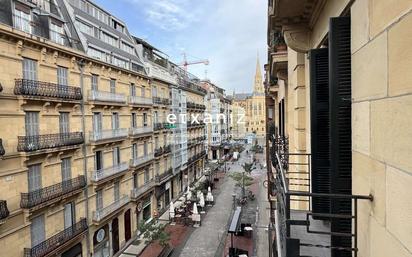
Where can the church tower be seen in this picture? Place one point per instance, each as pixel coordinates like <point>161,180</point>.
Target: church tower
<point>258,86</point>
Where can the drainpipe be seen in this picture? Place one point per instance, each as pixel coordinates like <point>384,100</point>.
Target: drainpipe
<point>81,64</point>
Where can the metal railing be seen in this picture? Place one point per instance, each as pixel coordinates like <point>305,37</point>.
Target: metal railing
<point>103,96</point>
<point>137,192</point>
<point>160,178</point>
<point>108,134</point>
<point>138,100</point>
<point>99,175</point>
<point>4,211</point>
<point>162,101</point>
<point>34,88</point>
<point>292,190</point>
<point>51,193</point>
<point>192,105</point>
<point>99,215</point>
<point>47,141</point>
<point>52,245</point>
<point>140,131</point>
<point>141,160</point>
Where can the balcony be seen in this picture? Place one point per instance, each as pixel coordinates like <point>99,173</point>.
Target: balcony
<point>100,215</point>
<point>4,211</point>
<point>141,190</point>
<point>49,141</point>
<point>45,90</point>
<point>300,230</point>
<point>141,131</point>
<point>194,124</point>
<point>106,97</point>
<point>55,244</point>
<point>159,126</point>
<point>161,101</point>
<point>195,106</point>
<point>49,195</point>
<point>162,150</point>
<point>99,176</point>
<point>108,135</point>
<point>164,176</point>
<point>140,101</point>
<point>141,160</point>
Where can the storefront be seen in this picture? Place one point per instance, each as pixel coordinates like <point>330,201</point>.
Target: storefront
<point>163,195</point>
<point>101,245</point>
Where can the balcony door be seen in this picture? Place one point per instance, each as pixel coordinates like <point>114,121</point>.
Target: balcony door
<point>29,69</point>
<point>66,169</point>
<point>94,82</point>
<point>115,121</point>
<point>69,215</point>
<point>116,189</point>
<point>99,200</point>
<point>127,226</point>
<point>134,151</point>
<point>97,122</point>
<point>98,160</point>
<point>144,119</point>
<point>64,123</point>
<point>145,148</point>
<point>134,120</point>
<point>37,230</point>
<point>34,178</point>
<point>116,156</point>
<point>62,78</point>
<point>132,89</point>
<point>143,92</point>
<point>32,123</point>
<point>113,86</point>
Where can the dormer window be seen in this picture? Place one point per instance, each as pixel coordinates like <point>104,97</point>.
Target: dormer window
<point>22,19</point>
<point>56,33</point>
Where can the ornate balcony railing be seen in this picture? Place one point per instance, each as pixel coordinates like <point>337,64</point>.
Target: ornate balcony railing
<point>138,100</point>
<point>40,142</point>
<point>101,214</point>
<point>162,101</point>
<point>103,96</point>
<point>160,178</point>
<point>109,134</point>
<point>33,88</point>
<point>102,174</point>
<point>192,105</point>
<point>141,160</point>
<point>52,246</point>
<point>137,192</point>
<point>140,131</point>
<point>297,225</point>
<point>53,193</point>
<point>158,126</point>
<point>4,211</point>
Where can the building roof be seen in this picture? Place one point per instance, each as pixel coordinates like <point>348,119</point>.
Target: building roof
<point>242,96</point>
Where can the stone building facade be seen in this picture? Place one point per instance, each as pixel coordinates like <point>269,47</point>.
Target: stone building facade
<point>338,92</point>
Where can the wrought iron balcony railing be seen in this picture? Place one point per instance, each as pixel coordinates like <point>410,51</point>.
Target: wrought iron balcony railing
<point>159,126</point>
<point>141,160</point>
<point>162,101</point>
<point>54,244</point>
<point>103,96</point>
<point>192,105</point>
<point>34,88</point>
<point>48,195</point>
<point>107,135</point>
<point>137,192</point>
<point>41,142</point>
<point>162,177</point>
<point>138,100</point>
<point>140,131</point>
<point>298,228</point>
<point>100,175</point>
<point>101,214</point>
<point>162,150</point>
<point>4,211</point>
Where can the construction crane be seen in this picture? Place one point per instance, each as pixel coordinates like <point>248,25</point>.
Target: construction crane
<point>185,63</point>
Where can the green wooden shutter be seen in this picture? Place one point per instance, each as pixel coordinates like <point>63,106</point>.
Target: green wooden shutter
<point>340,129</point>
<point>320,124</point>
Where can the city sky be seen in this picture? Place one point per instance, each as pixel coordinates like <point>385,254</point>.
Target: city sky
<point>229,33</point>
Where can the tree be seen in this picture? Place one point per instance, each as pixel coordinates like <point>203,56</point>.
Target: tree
<point>243,179</point>
<point>152,231</point>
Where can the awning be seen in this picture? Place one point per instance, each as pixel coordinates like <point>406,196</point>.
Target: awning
<point>235,223</point>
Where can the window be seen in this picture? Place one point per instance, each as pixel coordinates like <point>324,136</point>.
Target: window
<point>143,91</point>
<point>56,33</point>
<point>116,189</point>
<point>113,86</point>
<point>146,176</point>
<point>97,122</point>
<point>134,151</point>
<point>116,156</point>
<point>144,119</point>
<point>98,160</point>
<point>62,79</point>
<point>132,89</point>
<point>154,91</point>
<point>34,177</point>
<point>127,48</point>
<point>69,215</point>
<point>64,123</point>
<point>32,123</point>
<point>120,62</point>
<point>29,69</point>
<point>155,117</point>
<point>109,39</point>
<point>135,181</point>
<point>145,148</point>
<point>156,142</point>
<point>99,200</point>
<point>115,121</point>
<point>94,82</point>
<point>22,20</point>
<point>66,169</point>
<point>96,54</point>
<point>134,120</point>
<point>37,230</point>
<point>84,28</point>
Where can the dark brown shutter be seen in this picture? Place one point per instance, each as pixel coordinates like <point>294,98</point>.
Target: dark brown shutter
<point>340,128</point>
<point>319,121</point>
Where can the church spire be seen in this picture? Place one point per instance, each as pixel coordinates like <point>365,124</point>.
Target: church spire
<point>258,86</point>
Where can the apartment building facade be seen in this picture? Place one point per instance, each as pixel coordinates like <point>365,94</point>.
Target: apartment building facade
<point>337,93</point>
<point>85,161</point>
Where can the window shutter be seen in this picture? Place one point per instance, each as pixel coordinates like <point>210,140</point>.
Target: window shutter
<point>340,128</point>
<point>320,124</point>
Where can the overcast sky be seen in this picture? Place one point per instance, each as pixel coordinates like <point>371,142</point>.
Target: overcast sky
<point>229,33</point>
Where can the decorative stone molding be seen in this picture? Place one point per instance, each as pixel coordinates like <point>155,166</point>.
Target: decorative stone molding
<point>297,37</point>
<point>19,47</point>
<point>43,54</point>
